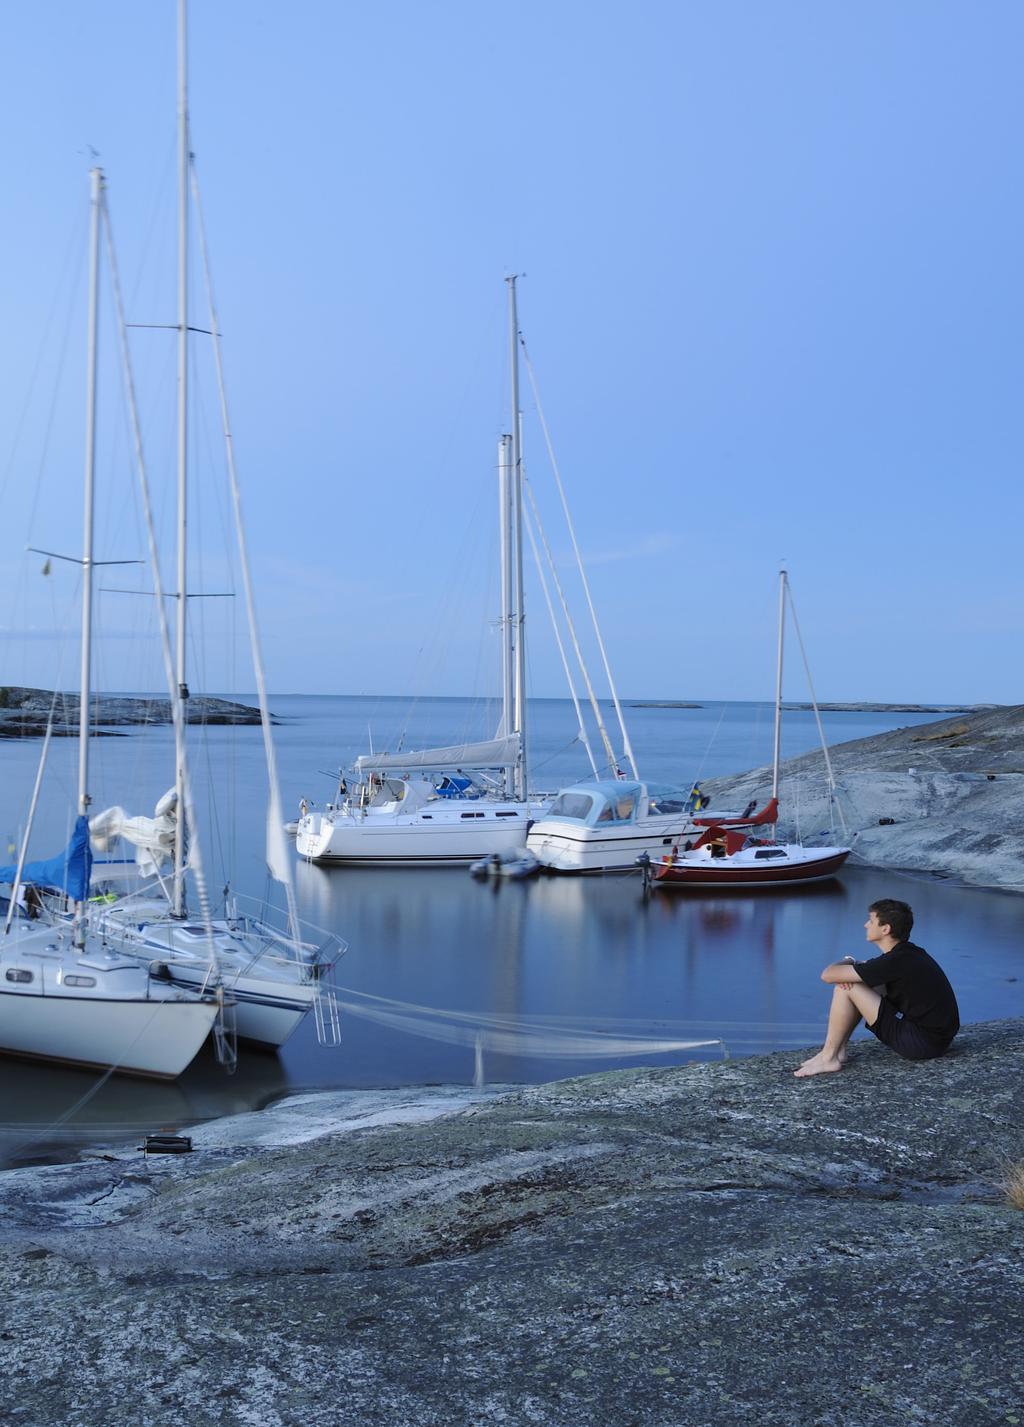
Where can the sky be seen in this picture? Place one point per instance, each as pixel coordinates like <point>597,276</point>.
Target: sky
<point>771,291</point>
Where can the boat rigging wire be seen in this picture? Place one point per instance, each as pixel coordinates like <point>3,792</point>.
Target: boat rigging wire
<point>627,746</point>
<point>602,731</point>
<point>833,800</point>
<point>76,249</point>
<point>558,640</point>
<point>277,852</point>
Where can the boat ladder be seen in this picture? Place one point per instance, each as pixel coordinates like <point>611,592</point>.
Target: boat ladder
<point>325,1013</point>
<point>225,1036</point>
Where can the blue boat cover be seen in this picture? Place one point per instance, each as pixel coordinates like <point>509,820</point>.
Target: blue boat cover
<point>68,872</point>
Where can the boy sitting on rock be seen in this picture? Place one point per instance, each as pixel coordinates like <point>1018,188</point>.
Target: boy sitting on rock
<point>903,995</point>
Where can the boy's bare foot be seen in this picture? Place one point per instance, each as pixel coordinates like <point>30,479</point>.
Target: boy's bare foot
<point>820,1064</point>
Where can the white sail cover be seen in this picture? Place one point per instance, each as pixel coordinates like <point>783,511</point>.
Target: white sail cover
<point>152,838</point>
<point>493,753</point>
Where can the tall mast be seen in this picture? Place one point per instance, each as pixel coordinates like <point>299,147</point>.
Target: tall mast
<point>179,841</point>
<point>517,545</point>
<point>84,799</point>
<point>505,525</point>
<point>778,686</point>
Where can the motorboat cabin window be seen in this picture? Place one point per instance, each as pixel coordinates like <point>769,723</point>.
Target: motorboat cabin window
<point>19,974</point>
<point>625,807</point>
<point>79,980</point>
<point>572,805</point>
<point>767,852</point>
<point>621,808</point>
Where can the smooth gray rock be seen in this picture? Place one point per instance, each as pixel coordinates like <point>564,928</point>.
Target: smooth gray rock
<point>709,1244</point>
<point>951,792</point>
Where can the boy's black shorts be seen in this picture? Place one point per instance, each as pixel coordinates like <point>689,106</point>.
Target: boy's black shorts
<point>904,1037</point>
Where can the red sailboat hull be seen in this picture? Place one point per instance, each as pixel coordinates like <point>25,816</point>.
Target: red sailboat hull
<point>725,872</point>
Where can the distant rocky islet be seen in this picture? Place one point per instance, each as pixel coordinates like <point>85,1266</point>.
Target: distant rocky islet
<point>25,713</point>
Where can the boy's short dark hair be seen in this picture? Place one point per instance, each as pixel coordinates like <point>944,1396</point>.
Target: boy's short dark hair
<point>895,915</point>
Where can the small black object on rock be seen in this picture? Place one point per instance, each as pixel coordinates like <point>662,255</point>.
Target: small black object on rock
<point>166,1144</point>
<point>886,822</point>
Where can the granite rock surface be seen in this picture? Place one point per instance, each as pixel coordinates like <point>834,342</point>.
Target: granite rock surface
<point>715,1243</point>
<point>944,798</point>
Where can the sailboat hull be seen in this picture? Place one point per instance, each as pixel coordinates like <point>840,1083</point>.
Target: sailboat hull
<point>157,1038</point>
<point>788,865</point>
<point>443,835</point>
<point>272,993</point>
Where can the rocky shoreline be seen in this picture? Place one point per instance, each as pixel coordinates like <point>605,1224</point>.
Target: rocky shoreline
<point>944,799</point>
<point>24,713</point>
<point>714,1243</point>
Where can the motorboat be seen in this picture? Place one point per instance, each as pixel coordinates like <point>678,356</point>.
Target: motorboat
<point>606,825</point>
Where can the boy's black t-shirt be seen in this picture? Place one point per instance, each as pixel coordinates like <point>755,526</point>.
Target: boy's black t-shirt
<point>916,985</point>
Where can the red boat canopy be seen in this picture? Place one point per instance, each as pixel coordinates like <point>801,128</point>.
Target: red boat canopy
<point>768,814</point>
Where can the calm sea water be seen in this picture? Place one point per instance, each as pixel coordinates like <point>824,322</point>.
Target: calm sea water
<point>587,953</point>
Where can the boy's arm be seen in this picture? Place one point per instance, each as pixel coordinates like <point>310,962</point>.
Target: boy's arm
<point>841,973</point>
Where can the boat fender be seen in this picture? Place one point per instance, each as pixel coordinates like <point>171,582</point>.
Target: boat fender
<point>160,971</point>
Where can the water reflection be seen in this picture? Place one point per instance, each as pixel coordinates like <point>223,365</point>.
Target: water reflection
<point>588,952</point>
<point>595,950</point>
<point>40,1121</point>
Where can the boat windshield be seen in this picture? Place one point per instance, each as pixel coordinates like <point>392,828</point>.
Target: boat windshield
<point>576,806</point>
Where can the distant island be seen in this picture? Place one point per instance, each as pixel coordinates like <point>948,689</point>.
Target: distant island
<point>841,708</point>
<point>24,713</point>
<point>897,708</point>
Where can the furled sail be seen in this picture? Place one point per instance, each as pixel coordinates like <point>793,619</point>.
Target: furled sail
<point>493,753</point>
<point>152,838</point>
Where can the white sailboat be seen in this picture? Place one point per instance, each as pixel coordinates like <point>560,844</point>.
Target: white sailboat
<point>448,806</point>
<point>275,977</point>
<point>69,992</point>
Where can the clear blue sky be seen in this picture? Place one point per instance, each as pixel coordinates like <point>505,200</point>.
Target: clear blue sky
<point>773,294</point>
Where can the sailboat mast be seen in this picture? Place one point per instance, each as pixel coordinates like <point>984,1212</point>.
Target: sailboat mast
<point>85,679</point>
<point>778,686</point>
<point>179,841</point>
<point>517,545</point>
<point>504,524</point>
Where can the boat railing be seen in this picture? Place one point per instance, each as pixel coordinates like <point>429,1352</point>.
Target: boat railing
<point>317,950</point>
